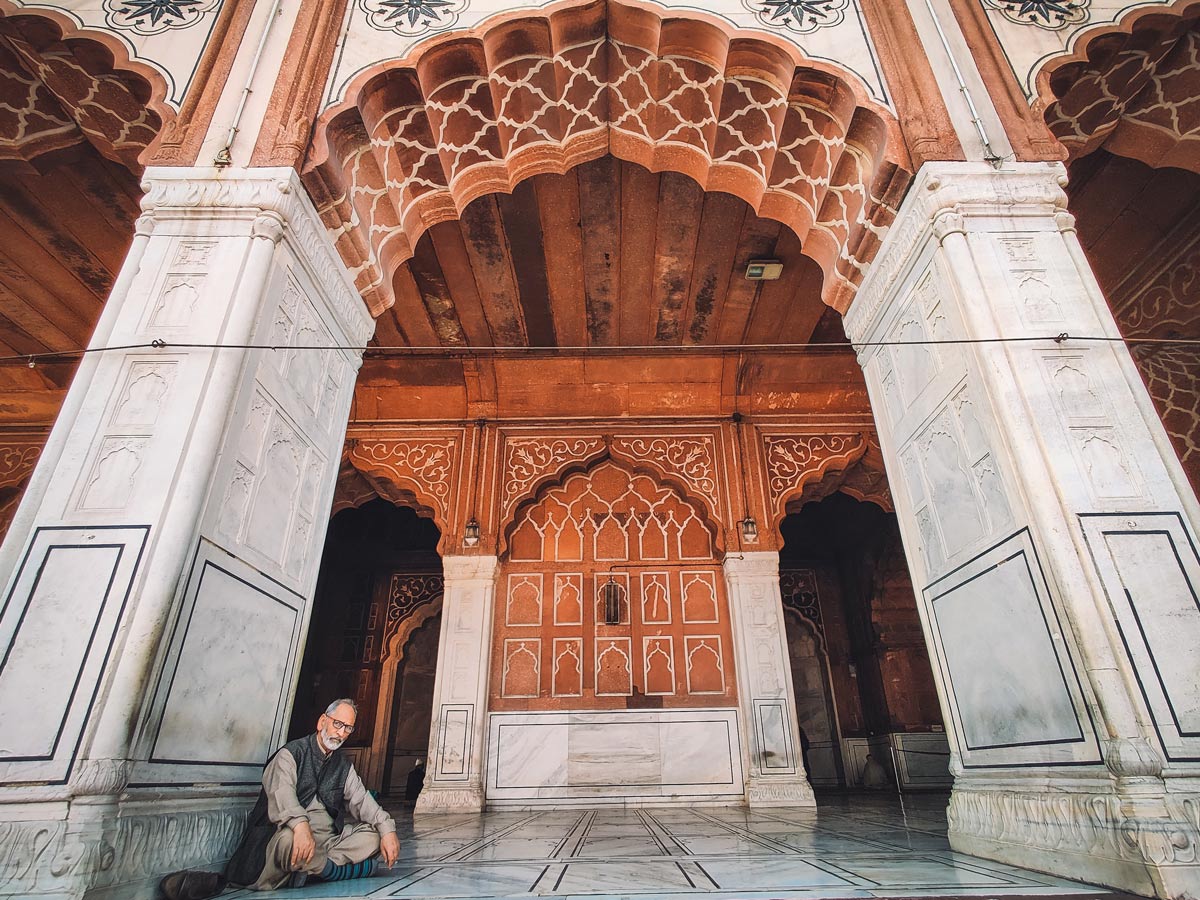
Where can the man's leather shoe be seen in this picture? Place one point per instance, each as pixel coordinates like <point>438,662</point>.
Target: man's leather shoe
<point>191,885</point>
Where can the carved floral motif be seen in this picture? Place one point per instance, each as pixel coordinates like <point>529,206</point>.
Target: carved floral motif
<point>528,461</point>
<point>423,466</point>
<point>406,592</point>
<point>794,461</point>
<point>1053,14</point>
<point>692,460</point>
<point>413,18</point>
<point>800,16</point>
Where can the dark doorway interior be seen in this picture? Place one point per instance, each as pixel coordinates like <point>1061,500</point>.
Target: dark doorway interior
<point>376,609</point>
<point>861,672</point>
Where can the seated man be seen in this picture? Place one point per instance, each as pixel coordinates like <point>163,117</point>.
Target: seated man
<point>314,818</point>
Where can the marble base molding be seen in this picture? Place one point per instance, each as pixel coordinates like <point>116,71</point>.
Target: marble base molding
<point>444,800</point>
<point>1147,847</point>
<point>122,848</point>
<point>765,792</point>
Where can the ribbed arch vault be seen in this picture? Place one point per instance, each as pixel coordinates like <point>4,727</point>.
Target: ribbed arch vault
<point>416,141</point>
<point>61,86</point>
<point>1132,88</point>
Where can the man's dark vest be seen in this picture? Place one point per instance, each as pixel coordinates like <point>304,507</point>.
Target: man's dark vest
<point>318,776</point>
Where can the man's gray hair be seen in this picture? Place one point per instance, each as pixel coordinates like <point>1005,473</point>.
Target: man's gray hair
<point>341,701</point>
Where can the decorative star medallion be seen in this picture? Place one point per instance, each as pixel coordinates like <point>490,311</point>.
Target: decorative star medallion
<point>1052,14</point>
<point>801,16</point>
<point>413,17</point>
<point>156,16</point>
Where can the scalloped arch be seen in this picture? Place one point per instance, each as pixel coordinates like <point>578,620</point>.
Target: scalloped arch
<point>121,125</point>
<point>468,115</point>
<point>575,468</point>
<point>1132,86</point>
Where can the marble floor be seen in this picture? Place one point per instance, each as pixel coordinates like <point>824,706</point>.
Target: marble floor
<point>849,847</point>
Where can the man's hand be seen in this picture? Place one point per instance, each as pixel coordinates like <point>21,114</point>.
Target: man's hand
<point>389,846</point>
<point>303,845</point>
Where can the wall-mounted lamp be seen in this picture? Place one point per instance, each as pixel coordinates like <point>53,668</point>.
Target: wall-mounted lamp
<point>749,530</point>
<point>764,270</point>
<point>471,532</point>
<point>612,602</point>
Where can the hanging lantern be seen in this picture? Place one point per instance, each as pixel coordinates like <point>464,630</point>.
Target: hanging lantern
<point>749,530</point>
<point>612,602</point>
<point>471,533</point>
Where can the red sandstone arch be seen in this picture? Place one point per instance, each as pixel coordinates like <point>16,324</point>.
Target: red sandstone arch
<point>65,85</point>
<point>417,140</point>
<point>548,483</point>
<point>1132,88</point>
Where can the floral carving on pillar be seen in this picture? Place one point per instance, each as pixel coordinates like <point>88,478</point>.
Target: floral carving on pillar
<point>16,465</point>
<point>420,468</point>
<point>796,461</point>
<point>691,461</point>
<point>530,462</point>
<point>406,593</point>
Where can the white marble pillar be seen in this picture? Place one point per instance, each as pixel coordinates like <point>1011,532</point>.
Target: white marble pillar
<point>775,773</point>
<point>454,780</point>
<point>1050,531</point>
<point>158,581</point>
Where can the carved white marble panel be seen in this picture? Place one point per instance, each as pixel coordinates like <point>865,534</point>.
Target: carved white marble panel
<point>1151,573</point>
<point>232,650</point>
<point>277,485</point>
<point>143,395</point>
<point>613,757</point>
<point>454,742</point>
<point>1013,689</point>
<point>177,302</point>
<point>1109,468</point>
<point>57,625</point>
<point>114,474</point>
<point>771,721</point>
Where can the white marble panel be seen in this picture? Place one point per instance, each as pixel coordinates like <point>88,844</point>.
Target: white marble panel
<point>56,628</point>
<point>1151,572</point>
<point>229,680</point>
<point>618,756</point>
<point>1014,692</point>
<point>922,760</point>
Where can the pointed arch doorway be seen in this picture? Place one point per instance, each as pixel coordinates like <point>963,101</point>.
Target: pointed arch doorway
<point>374,637</point>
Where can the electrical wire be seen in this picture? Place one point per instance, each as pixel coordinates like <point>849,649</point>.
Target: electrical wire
<point>32,359</point>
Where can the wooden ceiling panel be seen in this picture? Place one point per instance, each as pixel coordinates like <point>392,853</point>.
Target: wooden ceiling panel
<point>522,223</point>
<point>607,255</point>
<point>680,208</point>
<point>716,251</point>
<point>639,229</point>
<point>600,219</point>
<point>558,210</point>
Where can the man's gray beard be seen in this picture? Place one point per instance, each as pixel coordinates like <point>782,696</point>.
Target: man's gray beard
<point>333,743</point>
